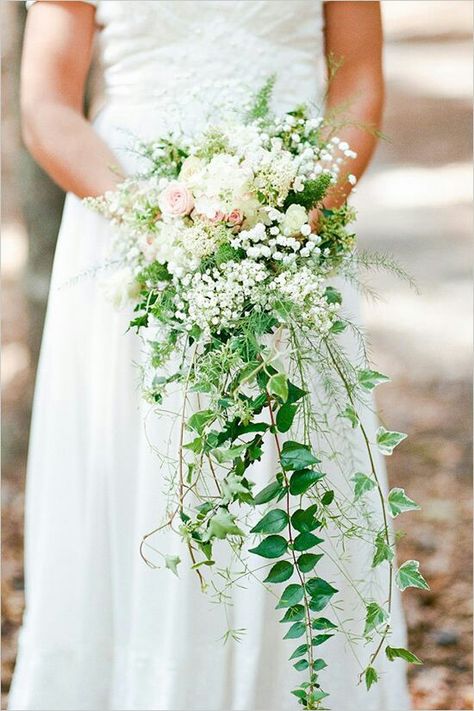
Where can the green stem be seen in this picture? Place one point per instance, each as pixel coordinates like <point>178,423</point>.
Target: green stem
<point>365,436</point>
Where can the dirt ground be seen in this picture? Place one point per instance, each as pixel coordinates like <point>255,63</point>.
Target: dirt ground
<point>415,204</point>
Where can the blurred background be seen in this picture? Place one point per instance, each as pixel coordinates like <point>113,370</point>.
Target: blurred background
<point>415,202</point>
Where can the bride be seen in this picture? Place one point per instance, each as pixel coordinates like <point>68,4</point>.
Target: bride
<point>101,629</point>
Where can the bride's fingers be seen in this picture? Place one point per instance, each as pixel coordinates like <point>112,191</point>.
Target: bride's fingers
<point>314,216</point>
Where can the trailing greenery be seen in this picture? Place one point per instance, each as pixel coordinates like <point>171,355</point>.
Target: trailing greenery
<point>230,286</point>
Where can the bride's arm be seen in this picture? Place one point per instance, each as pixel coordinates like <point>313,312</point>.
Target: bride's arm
<point>56,58</point>
<point>354,33</point>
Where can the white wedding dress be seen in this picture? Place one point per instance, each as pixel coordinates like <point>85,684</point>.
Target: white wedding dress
<point>101,629</point>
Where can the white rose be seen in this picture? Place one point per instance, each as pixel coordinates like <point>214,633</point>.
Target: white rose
<point>190,167</point>
<point>294,219</point>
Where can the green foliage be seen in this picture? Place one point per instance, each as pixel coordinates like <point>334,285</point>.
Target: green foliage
<point>271,547</point>
<point>362,484</point>
<point>387,441</point>
<point>278,386</point>
<point>307,561</point>
<point>374,617</point>
<point>296,456</point>
<point>371,677</point>
<point>294,613</point>
<point>296,630</point>
<point>260,108</point>
<point>399,502</point>
<point>409,576</point>
<point>280,572</point>
<point>273,522</point>
<point>369,379</point>
<point>304,541</point>
<point>314,191</point>
<point>285,416</point>
<point>291,596</point>
<point>383,551</point>
<point>303,480</point>
<point>401,653</point>
<point>272,491</point>
<point>351,415</point>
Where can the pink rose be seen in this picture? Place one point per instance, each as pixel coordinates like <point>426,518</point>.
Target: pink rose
<point>236,217</point>
<point>176,200</point>
<point>218,216</point>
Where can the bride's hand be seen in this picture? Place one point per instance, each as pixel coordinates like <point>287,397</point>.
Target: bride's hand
<point>314,216</point>
<point>56,57</point>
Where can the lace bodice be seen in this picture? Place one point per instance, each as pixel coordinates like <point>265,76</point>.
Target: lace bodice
<point>149,48</point>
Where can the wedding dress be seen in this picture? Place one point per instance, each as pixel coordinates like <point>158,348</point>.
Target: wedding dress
<point>101,629</point>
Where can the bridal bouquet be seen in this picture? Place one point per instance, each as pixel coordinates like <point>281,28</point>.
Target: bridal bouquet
<point>227,253</point>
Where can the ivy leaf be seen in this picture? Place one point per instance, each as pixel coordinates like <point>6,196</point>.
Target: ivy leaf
<point>322,623</point>
<point>303,541</point>
<point>408,576</point>
<point>233,485</point>
<point>195,446</point>
<point>270,547</point>
<point>307,561</point>
<point>371,677</point>
<point>362,484</point>
<point>268,493</point>
<point>351,415</point>
<point>294,393</point>
<point>296,630</point>
<point>281,571</point>
<point>222,524</point>
<point>327,498</point>
<point>278,385</point>
<point>172,562</point>
<point>382,550</point>
<point>294,614</point>
<point>387,441</point>
<point>292,594</point>
<point>285,416</point>
<point>228,454</point>
<point>299,651</point>
<point>399,502</point>
<point>296,456</point>
<point>321,592</point>
<point>369,379</point>
<point>304,520</point>
<point>303,480</point>
<point>301,665</point>
<point>200,420</point>
<point>400,653</point>
<point>375,616</point>
<point>273,522</point>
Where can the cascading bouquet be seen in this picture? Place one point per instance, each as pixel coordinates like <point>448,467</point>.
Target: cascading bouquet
<point>225,249</point>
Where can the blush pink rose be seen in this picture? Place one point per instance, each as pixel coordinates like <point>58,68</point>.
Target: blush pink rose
<point>176,200</point>
<point>218,216</point>
<point>236,217</point>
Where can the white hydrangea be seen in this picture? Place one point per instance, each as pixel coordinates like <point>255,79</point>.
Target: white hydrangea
<point>275,172</point>
<point>223,185</point>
